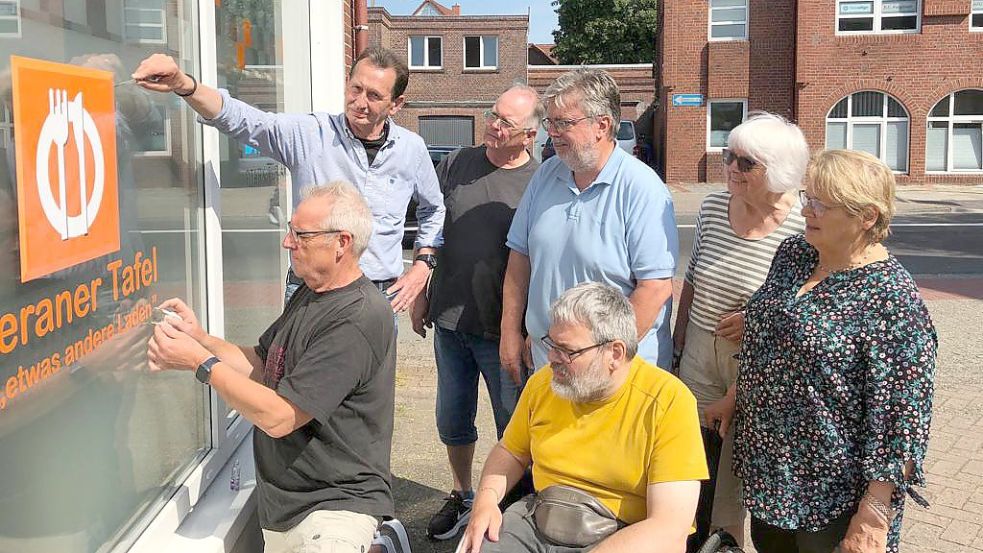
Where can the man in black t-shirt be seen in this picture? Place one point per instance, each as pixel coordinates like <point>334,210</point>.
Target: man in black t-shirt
<point>319,386</point>
<point>482,187</point>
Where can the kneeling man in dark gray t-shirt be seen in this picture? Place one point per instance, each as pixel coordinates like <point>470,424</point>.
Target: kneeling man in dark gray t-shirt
<point>320,385</point>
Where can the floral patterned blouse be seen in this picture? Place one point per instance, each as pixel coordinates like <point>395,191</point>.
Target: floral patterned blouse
<point>834,390</point>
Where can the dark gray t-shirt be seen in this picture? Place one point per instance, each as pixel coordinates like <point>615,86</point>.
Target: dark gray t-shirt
<point>480,199</point>
<point>333,355</point>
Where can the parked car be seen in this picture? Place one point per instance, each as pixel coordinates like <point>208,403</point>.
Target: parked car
<point>437,153</point>
<point>626,137</point>
<point>548,150</point>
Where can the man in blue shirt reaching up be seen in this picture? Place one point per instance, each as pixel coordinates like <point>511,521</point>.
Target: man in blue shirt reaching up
<point>593,213</point>
<point>387,163</point>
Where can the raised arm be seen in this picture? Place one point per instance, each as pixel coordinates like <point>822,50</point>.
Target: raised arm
<point>161,73</point>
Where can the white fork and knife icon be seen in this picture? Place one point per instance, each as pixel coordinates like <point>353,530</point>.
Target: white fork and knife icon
<point>61,112</point>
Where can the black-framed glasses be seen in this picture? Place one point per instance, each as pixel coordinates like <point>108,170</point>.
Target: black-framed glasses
<point>565,355</point>
<point>744,164</point>
<point>494,118</point>
<point>817,207</point>
<point>297,235</point>
<point>563,125</point>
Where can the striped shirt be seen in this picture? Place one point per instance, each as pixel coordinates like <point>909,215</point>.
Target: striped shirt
<point>726,269</point>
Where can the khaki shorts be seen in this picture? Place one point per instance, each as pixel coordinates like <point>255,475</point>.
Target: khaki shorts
<point>708,368</point>
<point>324,532</point>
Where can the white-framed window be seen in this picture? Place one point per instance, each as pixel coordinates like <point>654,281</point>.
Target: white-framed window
<point>872,122</point>
<point>145,21</point>
<point>976,16</point>
<point>154,138</point>
<point>425,52</point>
<point>722,117</point>
<point>954,135</point>
<point>878,16</point>
<point>10,18</point>
<point>728,19</point>
<point>481,52</point>
<point>6,127</point>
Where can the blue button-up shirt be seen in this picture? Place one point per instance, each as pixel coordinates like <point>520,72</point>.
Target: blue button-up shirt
<point>619,230</point>
<point>319,148</point>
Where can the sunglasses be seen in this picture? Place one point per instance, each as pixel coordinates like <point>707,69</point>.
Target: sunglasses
<point>744,164</point>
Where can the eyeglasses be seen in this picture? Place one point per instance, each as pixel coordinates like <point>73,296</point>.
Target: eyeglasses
<point>496,119</point>
<point>297,235</point>
<point>817,207</point>
<point>563,125</point>
<point>567,356</point>
<point>744,164</point>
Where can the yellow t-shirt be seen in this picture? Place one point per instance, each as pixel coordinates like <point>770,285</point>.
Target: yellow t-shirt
<point>647,433</point>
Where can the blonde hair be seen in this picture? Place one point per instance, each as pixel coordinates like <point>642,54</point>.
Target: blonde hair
<point>349,211</point>
<point>855,180</point>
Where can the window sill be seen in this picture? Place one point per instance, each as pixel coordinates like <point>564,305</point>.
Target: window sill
<point>481,70</point>
<point>218,519</point>
<point>724,39</point>
<point>426,69</point>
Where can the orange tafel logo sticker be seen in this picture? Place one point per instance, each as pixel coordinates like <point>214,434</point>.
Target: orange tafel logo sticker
<point>64,131</point>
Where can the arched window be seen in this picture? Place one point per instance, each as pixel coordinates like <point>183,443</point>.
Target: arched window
<point>954,138</point>
<point>871,122</point>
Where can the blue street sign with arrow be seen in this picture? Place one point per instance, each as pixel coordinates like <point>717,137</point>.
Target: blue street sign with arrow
<point>687,100</point>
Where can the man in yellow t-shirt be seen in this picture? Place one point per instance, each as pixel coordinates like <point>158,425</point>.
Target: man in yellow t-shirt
<point>600,419</point>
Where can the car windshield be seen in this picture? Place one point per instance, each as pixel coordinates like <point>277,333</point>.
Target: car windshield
<point>626,131</point>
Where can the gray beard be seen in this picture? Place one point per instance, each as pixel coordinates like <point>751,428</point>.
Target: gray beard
<point>589,386</point>
<point>580,160</point>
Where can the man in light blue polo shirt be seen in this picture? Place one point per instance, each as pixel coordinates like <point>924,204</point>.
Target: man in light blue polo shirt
<point>593,213</point>
<point>387,163</point>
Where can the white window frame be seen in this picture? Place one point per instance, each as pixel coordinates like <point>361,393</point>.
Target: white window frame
<point>877,17</point>
<point>12,18</point>
<point>950,121</point>
<point>742,101</point>
<point>426,52</point>
<point>882,120</point>
<point>166,152</point>
<point>975,8</point>
<point>143,40</point>
<point>481,52</point>
<point>711,23</point>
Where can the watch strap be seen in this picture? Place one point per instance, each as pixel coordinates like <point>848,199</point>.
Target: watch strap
<point>204,371</point>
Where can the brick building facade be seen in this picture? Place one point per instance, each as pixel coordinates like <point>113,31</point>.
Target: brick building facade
<point>900,78</point>
<point>459,64</point>
<point>635,83</point>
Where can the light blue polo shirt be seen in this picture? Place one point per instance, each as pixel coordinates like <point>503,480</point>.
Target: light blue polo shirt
<point>620,229</point>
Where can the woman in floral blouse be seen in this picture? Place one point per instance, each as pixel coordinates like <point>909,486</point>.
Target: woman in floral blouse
<point>834,395</point>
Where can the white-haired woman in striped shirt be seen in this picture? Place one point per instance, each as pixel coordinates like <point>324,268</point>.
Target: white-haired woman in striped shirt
<point>737,232</point>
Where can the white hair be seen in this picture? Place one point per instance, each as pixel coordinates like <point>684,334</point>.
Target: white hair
<point>349,212</point>
<point>778,144</point>
<point>603,309</point>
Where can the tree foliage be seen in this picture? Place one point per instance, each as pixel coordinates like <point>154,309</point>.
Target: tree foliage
<point>605,31</point>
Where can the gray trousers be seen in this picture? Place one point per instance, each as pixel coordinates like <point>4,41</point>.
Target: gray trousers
<point>519,535</point>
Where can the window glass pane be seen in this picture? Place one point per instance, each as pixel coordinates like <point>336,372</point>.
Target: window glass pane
<point>967,146</point>
<point>727,31</point>
<point>727,3</point>
<point>978,5</point>
<point>868,104</point>
<point>941,109</point>
<point>857,24</point>
<point>626,131</point>
<point>433,52</point>
<point>978,20</point>
<point>9,26</point>
<point>936,146</point>
<point>730,14</point>
<point>157,4</point>
<point>91,443</point>
<point>491,50</point>
<point>894,108</point>
<point>139,32</point>
<point>856,8</point>
<point>253,193</point>
<point>867,138</point>
<point>899,6</point>
<point>839,110</point>
<point>968,102</point>
<point>8,8</point>
<point>899,23</point>
<point>472,51</point>
<point>155,17</point>
<point>896,146</point>
<point>835,136</point>
<point>724,116</point>
<point>416,51</point>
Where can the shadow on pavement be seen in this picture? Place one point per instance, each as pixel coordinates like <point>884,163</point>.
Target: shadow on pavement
<point>415,504</point>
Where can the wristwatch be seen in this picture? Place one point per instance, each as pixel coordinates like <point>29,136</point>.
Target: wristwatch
<point>204,371</point>
<point>428,258</point>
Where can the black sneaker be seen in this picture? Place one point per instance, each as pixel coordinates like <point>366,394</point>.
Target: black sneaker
<point>449,520</point>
